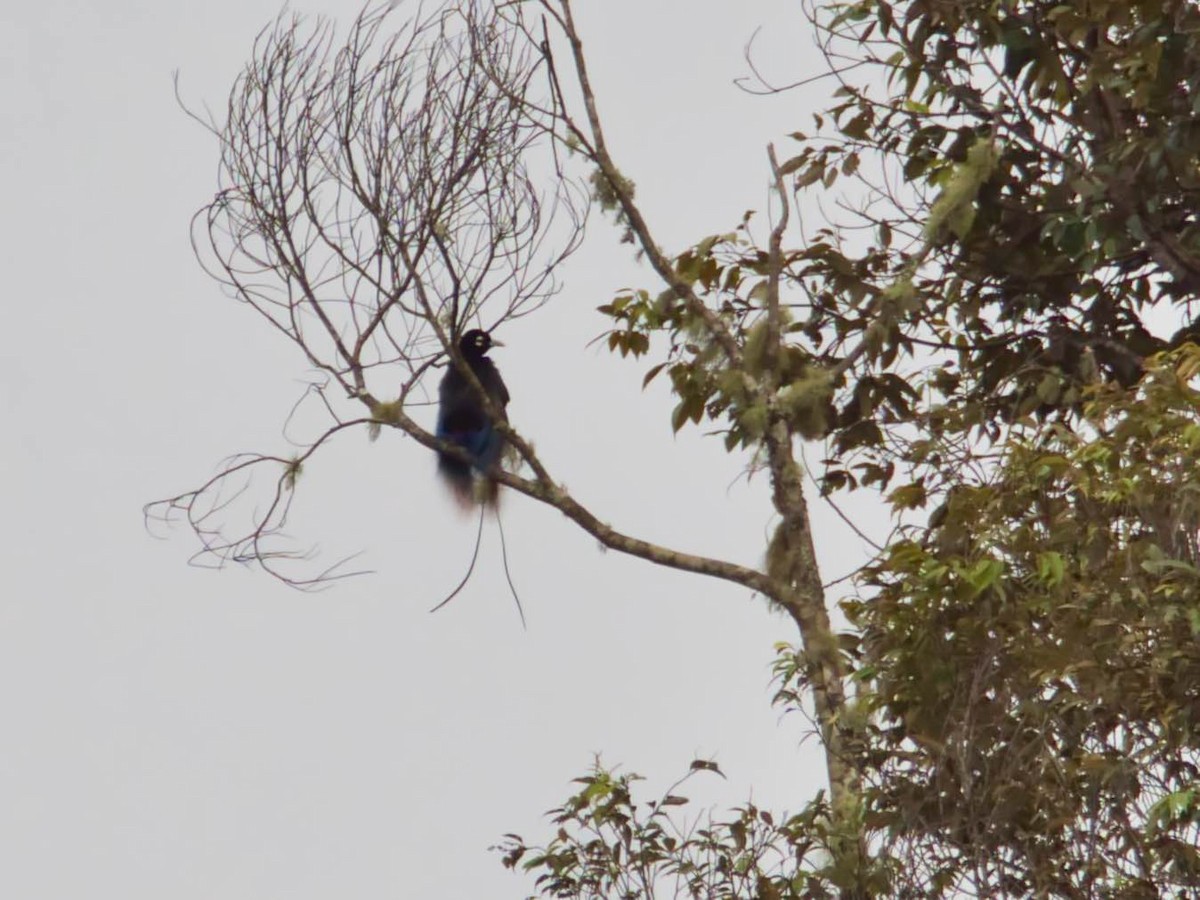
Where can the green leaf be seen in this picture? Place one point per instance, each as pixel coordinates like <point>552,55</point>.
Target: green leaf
<point>1050,567</point>
<point>983,574</point>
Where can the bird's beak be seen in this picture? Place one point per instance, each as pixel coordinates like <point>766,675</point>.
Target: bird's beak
<point>496,343</point>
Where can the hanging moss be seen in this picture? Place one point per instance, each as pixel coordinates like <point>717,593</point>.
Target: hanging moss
<point>753,421</point>
<point>901,295</point>
<point>291,473</point>
<point>955,207</point>
<point>733,386</point>
<point>754,350</point>
<point>807,403</point>
<point>383,414</point>
<point>387,413</point>
<point>608,195</point>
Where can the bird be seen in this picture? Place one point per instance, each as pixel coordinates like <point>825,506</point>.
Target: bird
<point>463,420</point>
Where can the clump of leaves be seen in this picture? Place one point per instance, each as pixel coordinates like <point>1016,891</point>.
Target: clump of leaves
<point>609,844</point>
<point>1030,661</point>
<point>730,274</point>
<point>1020,187</point>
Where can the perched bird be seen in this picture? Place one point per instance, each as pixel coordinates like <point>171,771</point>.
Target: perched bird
<point>463,420</point>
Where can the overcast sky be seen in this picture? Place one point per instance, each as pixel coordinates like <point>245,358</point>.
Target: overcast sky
<point>175,732</point>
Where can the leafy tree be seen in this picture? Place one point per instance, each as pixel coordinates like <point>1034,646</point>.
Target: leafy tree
<point>995,324</point>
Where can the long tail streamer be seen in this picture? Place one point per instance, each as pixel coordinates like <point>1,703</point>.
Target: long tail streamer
<point>507,574</point>
<point>471,568</point>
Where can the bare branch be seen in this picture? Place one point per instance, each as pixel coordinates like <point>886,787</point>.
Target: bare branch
<point>376,197</point>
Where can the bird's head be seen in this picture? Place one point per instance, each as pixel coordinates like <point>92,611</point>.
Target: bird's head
<point>475,343</point>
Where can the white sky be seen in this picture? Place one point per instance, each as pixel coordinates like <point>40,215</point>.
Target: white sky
<point>173,732</point>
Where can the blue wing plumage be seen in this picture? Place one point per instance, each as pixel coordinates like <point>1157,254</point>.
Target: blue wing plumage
<point>463,420</point>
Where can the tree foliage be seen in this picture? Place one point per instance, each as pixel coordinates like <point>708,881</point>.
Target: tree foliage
<point>1024,188</point>
<point>1033,659</point>
<point>1016,244</point>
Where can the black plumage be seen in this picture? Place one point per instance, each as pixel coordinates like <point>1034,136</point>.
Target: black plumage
<point>463,420</point>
